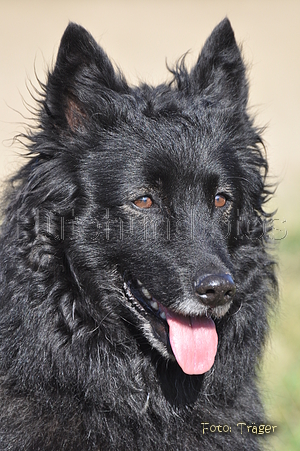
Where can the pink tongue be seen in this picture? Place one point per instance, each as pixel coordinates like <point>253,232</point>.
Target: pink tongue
<point>194,342</point>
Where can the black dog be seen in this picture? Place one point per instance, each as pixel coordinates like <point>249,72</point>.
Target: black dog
<point>135,275</point>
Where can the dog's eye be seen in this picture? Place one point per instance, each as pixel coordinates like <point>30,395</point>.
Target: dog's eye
<point>143,202</point>
<point>220,201</point>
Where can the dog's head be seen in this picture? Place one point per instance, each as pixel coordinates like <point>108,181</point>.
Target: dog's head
<point>160,190</point>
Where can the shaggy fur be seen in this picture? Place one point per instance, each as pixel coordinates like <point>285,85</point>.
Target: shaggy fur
<point>128,186</point>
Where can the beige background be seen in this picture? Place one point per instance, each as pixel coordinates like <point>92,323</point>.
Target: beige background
<point>139,35</point>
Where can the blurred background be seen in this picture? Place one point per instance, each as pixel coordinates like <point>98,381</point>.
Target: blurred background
<point>140,36</point>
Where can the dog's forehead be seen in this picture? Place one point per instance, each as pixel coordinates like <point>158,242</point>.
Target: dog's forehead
<point>199,130</point>
<point>179,171</point>
<point>182,150</point>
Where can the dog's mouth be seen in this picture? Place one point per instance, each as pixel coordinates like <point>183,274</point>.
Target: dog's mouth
<point>192,341</point>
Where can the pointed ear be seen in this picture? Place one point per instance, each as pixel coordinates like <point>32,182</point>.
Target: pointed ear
<point>220,72</point>
<point>82,75</point>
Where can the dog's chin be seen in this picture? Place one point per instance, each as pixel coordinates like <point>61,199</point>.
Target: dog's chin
<point>151,315</point>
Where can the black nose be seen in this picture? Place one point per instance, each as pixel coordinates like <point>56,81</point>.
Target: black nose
<point>215,289</point>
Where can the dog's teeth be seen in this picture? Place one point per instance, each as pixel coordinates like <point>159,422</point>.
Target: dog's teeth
<point>139,282</point>
<point>162,315</point>
<point>154,305</point>
<point>146,293</point>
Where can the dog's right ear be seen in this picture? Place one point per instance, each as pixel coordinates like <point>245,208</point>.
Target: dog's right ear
<point>82,76</point>
<point>219,74</point>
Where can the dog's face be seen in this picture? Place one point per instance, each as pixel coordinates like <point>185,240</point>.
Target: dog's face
<point>161,179</point>
<point>164,209</point>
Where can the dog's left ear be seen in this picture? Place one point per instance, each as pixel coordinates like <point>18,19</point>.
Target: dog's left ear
<point>81,82</point>
<point>219,73</point>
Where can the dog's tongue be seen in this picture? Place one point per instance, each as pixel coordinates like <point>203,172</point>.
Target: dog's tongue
<point>194,342</point>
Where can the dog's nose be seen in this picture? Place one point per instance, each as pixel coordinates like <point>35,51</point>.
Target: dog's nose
<point>215,289</point>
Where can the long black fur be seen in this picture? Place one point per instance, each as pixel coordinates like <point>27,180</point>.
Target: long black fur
<point>81,367</point>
